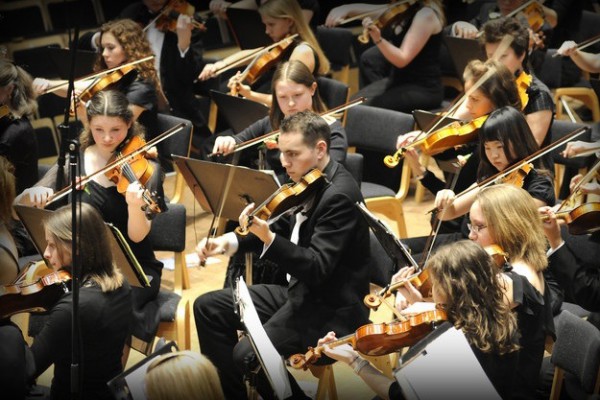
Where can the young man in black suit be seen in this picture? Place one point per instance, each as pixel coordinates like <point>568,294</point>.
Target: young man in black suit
<point>324,249</point>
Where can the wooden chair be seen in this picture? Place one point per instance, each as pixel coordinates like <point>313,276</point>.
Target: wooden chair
<point>337,46</point>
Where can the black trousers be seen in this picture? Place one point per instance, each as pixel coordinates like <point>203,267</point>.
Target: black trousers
<point>217,323</point>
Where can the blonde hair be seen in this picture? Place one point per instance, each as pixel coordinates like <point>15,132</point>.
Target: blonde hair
<point>290,9</point>
<point>94,246</point>
<point>22,101</point>
<point>468,278</point>
<point>514,222</point>
<point>182,374</point>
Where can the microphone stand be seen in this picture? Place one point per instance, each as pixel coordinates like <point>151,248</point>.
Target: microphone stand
<point>70,144</point>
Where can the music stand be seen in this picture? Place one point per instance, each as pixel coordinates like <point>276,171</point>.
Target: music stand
<point>33,221</point>
<point>462,51</point>
<point>444,355</point>
<point>394,248</point>
<point>239,113</point>
<point>270,360</point>
<point>61,58</point>
<point>206,180</point>
<point>426,119</point>
<point>247,27</point>
<point>131,384</point>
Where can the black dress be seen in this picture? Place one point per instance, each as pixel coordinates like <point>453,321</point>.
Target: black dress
<point>113,207</point>
<point>105,326</point>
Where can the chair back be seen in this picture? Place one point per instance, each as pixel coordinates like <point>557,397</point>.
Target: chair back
<point>381,266</point>
<point>375,128</point>
<point>178,144</point>
<point>577,349</point>
<point>562,128</point>
<point>336,44</point>
<point>168,229</point>
<point>333,92</point>
<point>354,165</point>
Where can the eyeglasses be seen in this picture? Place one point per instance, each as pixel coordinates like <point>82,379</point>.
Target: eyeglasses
<point>476,228</point>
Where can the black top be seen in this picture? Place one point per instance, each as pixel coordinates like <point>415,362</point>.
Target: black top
<point>105,325</point>
<point>19,145</point>
<point>337,149</point>
<point>143,93</point>
<point>425,68</point>
<point>535,321</point>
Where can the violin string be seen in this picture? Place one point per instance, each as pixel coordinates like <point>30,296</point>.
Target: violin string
<point>585,179</point>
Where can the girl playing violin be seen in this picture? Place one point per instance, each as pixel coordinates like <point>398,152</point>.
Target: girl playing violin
<point>123,41</point>
<point>105,304</point>
<point>282,18</point>
<point>294,90</point>
<point>467,286</point>
<point>17,138</point>
<point>413,51</point>
<point>111,124</point>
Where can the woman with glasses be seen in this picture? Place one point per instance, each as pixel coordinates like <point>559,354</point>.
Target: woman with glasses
<point>508,216</point>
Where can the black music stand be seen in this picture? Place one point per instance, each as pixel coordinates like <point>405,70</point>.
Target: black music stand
<point>239,113</point>
<point>425,119</point>
<point>130,384</point>
<point>445,357</point>
<point>33,219</point>
<point>462,51</point>
<point>62,63</point>
<point>207,180</point>
<point>247,27</point>
<point>270,360</point>
<point>394,248</point>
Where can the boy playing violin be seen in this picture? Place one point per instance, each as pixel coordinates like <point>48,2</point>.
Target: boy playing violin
<point>324,249</point>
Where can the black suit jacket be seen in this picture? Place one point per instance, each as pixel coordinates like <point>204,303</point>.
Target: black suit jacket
<point>329,266</point>
<point>576,266</point>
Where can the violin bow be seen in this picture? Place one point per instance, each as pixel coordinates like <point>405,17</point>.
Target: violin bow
<point>275,133</point>
<point>254,53</point>
<point>541,152</point>
<point>368,13</point>
<point>504,43</point>
<point>585,179</point>
<point>162,12</point>
<point>118,162</point>
<point>582,45</point>
<point>101,73</point>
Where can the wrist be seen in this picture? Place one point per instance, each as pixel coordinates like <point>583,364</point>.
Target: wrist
<point>378,41</point>
<point>360,364</point>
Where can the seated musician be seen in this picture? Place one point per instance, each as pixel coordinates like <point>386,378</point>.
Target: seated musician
<point>105,312</point>
<point>294,90</point>
<point>282,18</point>
<point>310,8</point>
<point>466,285</point>
<point>507,216</point>
<point>587,61</point>
<point>324,249</point>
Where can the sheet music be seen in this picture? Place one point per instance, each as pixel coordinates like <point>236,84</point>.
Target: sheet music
<point>270,360</point>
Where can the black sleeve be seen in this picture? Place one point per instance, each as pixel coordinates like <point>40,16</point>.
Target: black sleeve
<point>258,128</point>
<point>432,182</point>
<point>54,338</point>
<point>143,94</point>
<point>540,187</point>
<point>339,143</point>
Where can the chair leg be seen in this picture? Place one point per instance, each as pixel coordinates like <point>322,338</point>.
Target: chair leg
<point>557,383</point>
<point>326,387</point>
<point>182,277</point>
<point>212,116</point>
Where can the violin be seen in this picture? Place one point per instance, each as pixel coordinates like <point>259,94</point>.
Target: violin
<point>5,112</point>
<point>390,18</point>
<point>419,280</point>
<point>119,161</point>
<point>438,141</point>
<point>136,169</point>
<point>263,62</point>
<point>36,289</point>
<point>582,219</point>
<point>167,19</point>
<point>287,198</point>
<point>533,13</point>
<point>125,73</point>
<point>499,256</point>
<point>379,339</point>
<point>523,81</point>
<point>517,177</point>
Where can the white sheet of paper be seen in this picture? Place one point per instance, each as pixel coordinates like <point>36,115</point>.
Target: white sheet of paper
<point>271,361</point>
